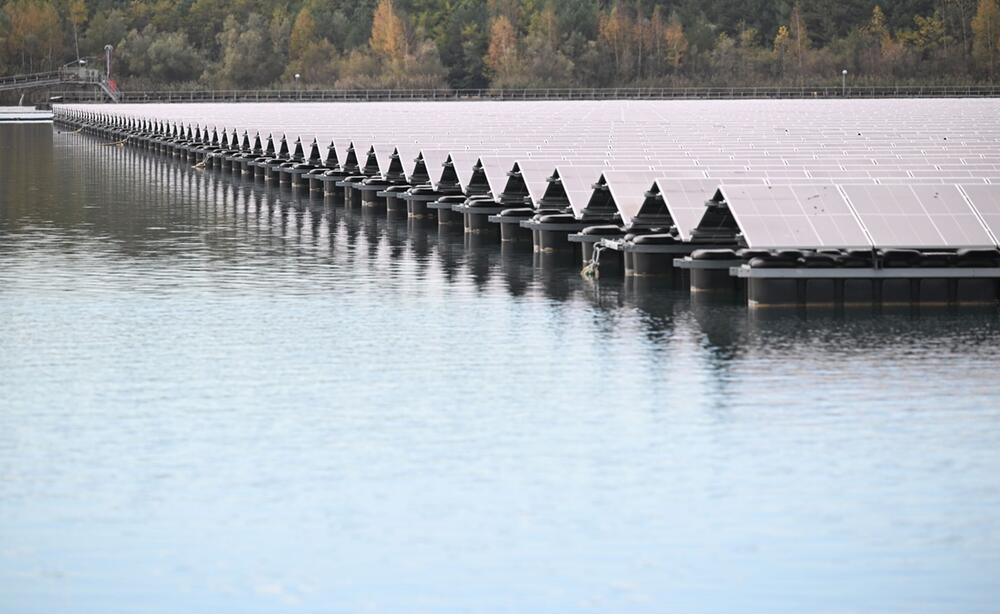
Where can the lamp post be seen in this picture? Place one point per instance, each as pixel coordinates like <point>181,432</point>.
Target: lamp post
<point>297,90</point>
<point>78,64</point>
<point>843,87</point>
<point>107,58</point>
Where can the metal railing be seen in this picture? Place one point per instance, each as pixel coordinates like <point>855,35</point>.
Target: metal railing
<point>64,76</point>
<point>14,82</point>
<point>634,93</point>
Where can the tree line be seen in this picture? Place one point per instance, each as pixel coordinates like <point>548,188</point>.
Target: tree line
<point>507,43</point>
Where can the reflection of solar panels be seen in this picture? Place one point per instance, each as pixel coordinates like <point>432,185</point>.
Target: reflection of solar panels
<point>794,216</point>
<point>877,150</point>
<point>918,216</point>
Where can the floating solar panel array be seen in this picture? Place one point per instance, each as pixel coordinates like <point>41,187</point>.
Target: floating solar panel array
<point>812,216</point>
<point>804,174</point>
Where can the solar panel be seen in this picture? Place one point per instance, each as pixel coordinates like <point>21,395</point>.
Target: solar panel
<point>408,153</point>
<point>578,182</point>
<point>917,216</point>
<point>536,173</point>
<point>383,153</point>
<point>794,216</point>
<point>496,169</point>
<point>985,200</point>
<point>628,188</point>
<point>464,161</point>
<point>685,200</point>
<point>867,147</point>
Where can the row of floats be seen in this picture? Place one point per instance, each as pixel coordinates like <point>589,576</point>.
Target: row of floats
<point>821,250</point>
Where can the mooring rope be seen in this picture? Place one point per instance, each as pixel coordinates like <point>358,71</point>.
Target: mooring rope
<point>593,269</point>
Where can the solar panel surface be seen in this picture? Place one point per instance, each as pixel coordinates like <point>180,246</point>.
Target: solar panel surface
<point>892,145</point>
<point>917,216</point>
<point>774,217</point>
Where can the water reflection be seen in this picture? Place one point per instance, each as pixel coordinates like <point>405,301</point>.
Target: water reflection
<point>296,392</point>
<point>145,206</point>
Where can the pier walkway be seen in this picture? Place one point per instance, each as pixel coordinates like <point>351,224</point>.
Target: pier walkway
<point>103,89</point>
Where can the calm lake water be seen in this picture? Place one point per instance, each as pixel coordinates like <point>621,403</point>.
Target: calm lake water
<point>215,397</point>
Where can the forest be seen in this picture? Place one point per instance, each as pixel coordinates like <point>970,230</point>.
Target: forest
<point>242,44</point>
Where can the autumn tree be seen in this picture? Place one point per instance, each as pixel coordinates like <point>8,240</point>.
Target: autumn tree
<point>303,34</point>
<point>511,9</point>
<point>310,55</point>
<point>791,46</point>
<point>501,56</point>
<point>523,43</point>
<point>986,37</point>
<point>882,51</point>
<point>782,48</point>
<point>928,46</point>
<point>615,32</point>
<point>34,33</point>
<point>388,38</point>
<point>799,41</point>
<point>675,43</point>
<point>928,36</point>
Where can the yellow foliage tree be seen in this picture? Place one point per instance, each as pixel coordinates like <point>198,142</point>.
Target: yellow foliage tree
<point>309,54</point>
<point>676,43</point>
<point>388,38</point>
<point>881,46</point>
<point>799,39</point>
<point>33,32</point>
<point>303,34</point>
<point>928,41</point>
<point>501,56</point>
<point>782,48</point>
<point>615,31</point>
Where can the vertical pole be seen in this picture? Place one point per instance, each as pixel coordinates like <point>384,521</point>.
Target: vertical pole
<point>107,59</point>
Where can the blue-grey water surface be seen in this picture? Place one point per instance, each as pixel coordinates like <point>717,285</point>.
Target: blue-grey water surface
<point>216,397</point>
